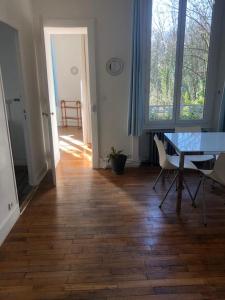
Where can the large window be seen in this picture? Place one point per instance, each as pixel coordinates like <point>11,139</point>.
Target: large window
<point>180,41</point>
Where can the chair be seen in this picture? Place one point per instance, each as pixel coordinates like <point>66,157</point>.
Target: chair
<point>194,158</point>
<point>217,174</point>
<point>170,163</point>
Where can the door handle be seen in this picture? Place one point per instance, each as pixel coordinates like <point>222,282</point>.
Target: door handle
<point>47,114</point>
<point>25,114</point>
<point>94,108</point>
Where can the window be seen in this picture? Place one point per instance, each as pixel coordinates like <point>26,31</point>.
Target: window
<point>180,41</point>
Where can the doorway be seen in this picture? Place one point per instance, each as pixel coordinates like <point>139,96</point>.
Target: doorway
<point>72,114</point>
<point>72,99</point>
<point>16,114</point>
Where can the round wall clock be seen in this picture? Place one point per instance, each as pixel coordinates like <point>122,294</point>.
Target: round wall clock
<point>115,66</point>
<point>74,70</point>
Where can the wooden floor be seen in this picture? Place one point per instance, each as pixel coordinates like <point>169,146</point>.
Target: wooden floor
<point>72,147</point>
<point>102,236</point>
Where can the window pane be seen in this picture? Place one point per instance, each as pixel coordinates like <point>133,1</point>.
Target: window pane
<point>195,63</point>
<point>163,57</point>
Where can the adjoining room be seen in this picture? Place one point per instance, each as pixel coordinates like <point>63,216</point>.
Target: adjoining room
<point>68,79</point>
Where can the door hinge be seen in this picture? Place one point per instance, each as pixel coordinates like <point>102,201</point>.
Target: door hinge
<point>25,114</point>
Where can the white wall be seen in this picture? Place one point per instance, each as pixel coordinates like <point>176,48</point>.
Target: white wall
<point>67,53</point>
<point>113,39</point>
<point>12,89</point>
<point>19,15</point>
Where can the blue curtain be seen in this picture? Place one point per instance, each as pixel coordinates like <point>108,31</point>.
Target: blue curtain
<point>139,85</point>
<point>221,119</point>
<point>223,112</point>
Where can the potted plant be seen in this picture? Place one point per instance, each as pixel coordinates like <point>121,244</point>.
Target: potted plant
<point>118,161</point>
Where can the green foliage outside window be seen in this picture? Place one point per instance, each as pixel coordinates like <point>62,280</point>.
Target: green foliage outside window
<point>195,58</point>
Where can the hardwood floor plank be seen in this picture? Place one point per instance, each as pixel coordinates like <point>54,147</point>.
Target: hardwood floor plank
<point>101,236</point>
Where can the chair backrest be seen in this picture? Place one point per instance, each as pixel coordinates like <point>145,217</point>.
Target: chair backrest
<point>161,151</point>
<point>188,129</point>
<point>219,168</point>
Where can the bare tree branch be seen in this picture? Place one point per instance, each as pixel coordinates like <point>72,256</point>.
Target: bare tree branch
<point>196,56</point>
<point>200,75</point>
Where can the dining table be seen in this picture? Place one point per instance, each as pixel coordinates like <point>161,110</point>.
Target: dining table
<point>193,143</point>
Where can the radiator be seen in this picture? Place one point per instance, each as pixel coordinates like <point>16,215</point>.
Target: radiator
<point>153,152</point>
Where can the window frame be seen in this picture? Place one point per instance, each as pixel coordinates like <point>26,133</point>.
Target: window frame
<point>208,105</point>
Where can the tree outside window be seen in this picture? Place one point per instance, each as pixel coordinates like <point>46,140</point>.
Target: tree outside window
<point>164,45</point>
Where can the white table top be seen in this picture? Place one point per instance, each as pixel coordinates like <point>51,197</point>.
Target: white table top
<point>197,142</point>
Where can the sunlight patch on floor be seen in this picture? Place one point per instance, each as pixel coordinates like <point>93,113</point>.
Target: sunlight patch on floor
<point>71,139</point>
<point>69,151</point>
<point>70,145</point>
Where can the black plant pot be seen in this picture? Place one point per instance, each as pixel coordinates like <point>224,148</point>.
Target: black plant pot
<point>118,163</point>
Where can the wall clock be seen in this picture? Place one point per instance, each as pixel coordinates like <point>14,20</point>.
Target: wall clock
<point>115,66</point>
<point>74,70</point>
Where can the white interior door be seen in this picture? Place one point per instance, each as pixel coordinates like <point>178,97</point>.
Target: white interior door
<point>85,92</point>
<point>52,113</point>
<point>7,178</point>
<point>12,76</point>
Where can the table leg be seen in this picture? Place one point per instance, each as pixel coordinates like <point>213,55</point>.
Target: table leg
<point>180,182</point>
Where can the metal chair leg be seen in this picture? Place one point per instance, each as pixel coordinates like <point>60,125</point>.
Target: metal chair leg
<point>204,204</point>
<point>157,179</point>
<point>171,175</point>
<point>190,194</point>
<point>164,198</point>
<point>202,182</point>
<point>197,190</point>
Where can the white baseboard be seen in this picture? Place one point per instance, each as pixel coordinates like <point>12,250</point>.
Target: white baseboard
<point>8,223</point>
<point>133,163</point>
<point>103,163</point>
<point>40,175</point>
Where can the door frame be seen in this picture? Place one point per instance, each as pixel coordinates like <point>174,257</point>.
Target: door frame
<point>26,112</point>
<point>70,25</point>
<point>51,113</point>
<point>8,136</point>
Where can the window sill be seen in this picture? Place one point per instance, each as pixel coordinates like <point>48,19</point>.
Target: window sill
<point>171,124</point>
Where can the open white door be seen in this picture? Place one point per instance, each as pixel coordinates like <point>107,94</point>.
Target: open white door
<point>52,113</point>
<point>85,92</point>
<point>86,27</point>
<point>8,199</point>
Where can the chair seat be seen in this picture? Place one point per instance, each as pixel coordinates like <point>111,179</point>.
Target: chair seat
<point>199,158</point>
<point>206,172</point>
<point>174,160</point>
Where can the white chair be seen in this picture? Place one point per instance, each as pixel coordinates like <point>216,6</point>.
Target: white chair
<point>194,158</point>
<point>217,174</point>
<point>170,163</point>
